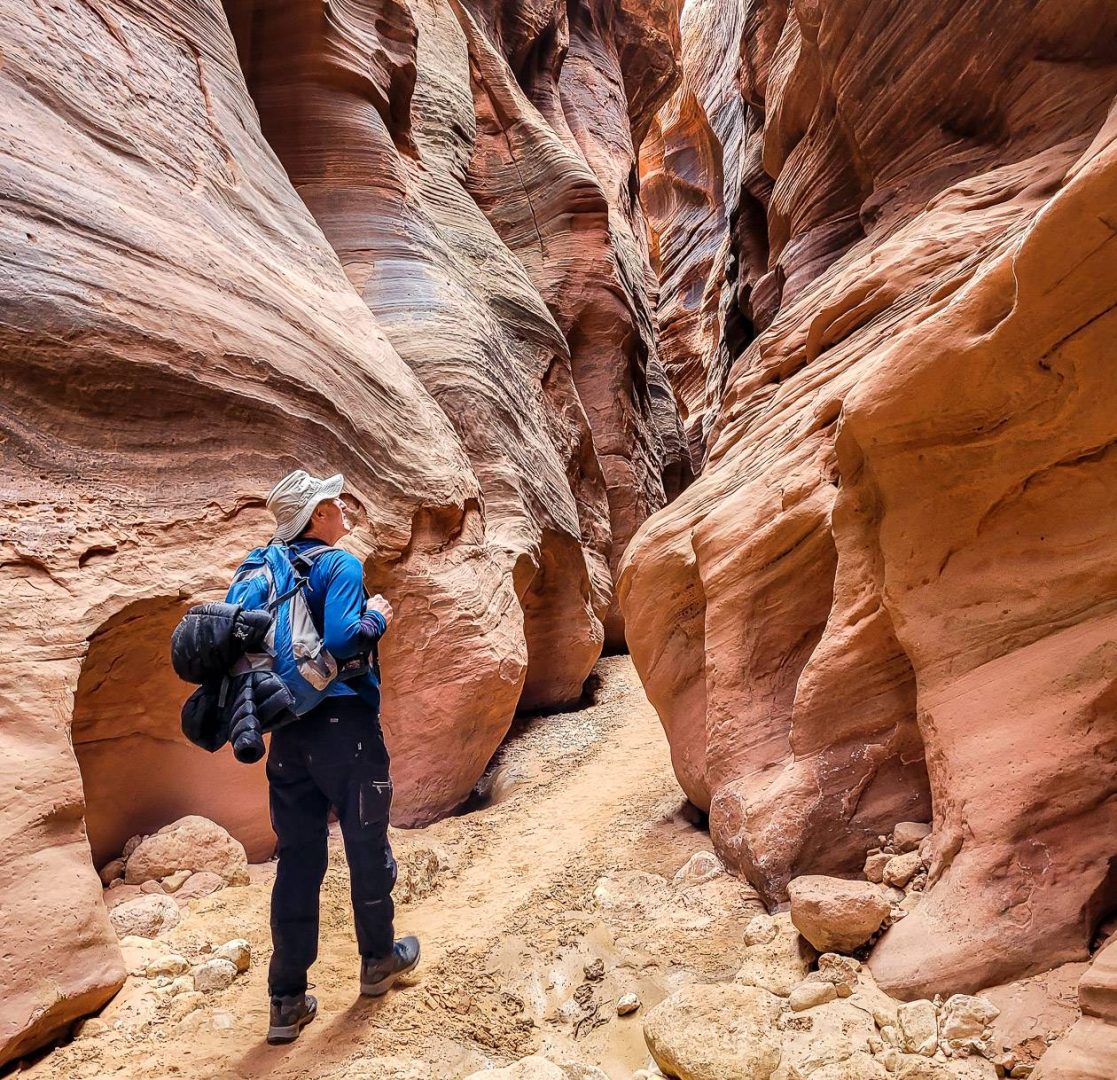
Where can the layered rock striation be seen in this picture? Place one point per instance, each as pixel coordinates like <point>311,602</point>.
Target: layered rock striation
<point>207,282</point>
<point>894,586</point>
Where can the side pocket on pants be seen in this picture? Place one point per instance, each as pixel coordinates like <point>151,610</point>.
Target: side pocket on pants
<point>375,802</point>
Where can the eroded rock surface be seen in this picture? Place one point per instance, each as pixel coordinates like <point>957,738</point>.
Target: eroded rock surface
<point>896,576</point>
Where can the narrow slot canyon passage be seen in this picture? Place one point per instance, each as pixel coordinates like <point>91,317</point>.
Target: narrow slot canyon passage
<point>728,390</point>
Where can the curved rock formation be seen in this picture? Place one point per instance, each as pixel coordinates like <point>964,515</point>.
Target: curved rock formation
<point>902,548</point>
<point>1089,1050</point>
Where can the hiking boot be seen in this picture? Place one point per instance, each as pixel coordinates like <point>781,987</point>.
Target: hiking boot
<point>289,1015</point>
<point>377,976</point>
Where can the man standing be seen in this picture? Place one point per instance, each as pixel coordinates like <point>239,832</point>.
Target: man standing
<point>333,755</point>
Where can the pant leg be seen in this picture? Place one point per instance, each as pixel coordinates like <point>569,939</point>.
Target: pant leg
<point>299,814</point>
<point>350,764</point>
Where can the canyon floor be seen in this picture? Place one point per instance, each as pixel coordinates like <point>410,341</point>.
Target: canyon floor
<point>570,861</point>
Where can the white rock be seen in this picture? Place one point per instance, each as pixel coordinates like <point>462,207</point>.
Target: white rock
<point>169,964</point>
<point>627,1004</point>
<point>761,930</point>
<point>810,993</point>
<point>214,974</point>
<point>919,1027</point>
<point>966,1017</point>
<point>778,964</point>
<point>237,952</point>
<point>145,916</point>
<point>723,1031</point>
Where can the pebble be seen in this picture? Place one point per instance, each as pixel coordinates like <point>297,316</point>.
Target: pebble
<point>595,969</point>
<point>627,1004</point>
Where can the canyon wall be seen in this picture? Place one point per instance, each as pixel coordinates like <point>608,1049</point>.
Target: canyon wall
<point>892,593</point>
<point>388,290</point>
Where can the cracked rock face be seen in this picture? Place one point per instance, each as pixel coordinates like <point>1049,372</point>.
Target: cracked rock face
<point>895,582</point>
<point>188,310</point>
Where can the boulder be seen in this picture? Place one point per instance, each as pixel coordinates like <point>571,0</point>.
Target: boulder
<point>192,843</point>
<point>1088,1051</point>
<point>835,915</point>
<point>145,916</point>
<point>722,1032</point>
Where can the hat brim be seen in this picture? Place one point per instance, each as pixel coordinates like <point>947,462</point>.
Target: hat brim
<point>330,488</point>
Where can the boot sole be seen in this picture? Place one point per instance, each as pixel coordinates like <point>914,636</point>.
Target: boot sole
<point>379,989</point>
<point>288,1033</point>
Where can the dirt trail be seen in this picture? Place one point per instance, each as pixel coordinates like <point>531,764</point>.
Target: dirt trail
<point>571,862</point>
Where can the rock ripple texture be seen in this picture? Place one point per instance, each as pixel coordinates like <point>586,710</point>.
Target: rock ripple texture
<point>894,584</point>
<point>402,241</point>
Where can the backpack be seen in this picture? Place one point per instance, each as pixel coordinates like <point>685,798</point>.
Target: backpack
<point>274,578</point>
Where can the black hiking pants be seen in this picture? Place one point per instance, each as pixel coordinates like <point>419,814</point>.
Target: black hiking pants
<point>332,756</point>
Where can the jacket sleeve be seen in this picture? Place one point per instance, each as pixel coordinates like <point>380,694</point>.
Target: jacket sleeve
<point>348,629</point>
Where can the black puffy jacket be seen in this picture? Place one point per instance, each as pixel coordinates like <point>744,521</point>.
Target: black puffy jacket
<point>211,638</point>
<point>231,705</point>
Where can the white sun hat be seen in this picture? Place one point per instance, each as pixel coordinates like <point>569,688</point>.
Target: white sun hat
<point>294,498</point>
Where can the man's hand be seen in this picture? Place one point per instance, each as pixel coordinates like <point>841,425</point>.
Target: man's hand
<point>380,603</point>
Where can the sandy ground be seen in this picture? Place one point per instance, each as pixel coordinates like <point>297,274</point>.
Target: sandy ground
<point>571,862</point>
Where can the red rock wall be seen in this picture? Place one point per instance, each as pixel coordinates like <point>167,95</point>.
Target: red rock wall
<point>895,584</point>
<point>179,326</point>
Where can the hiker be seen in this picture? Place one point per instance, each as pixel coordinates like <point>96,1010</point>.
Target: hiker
<point>332,755</point>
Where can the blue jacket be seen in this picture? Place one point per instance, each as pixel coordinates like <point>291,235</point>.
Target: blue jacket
<point>335,594</point>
